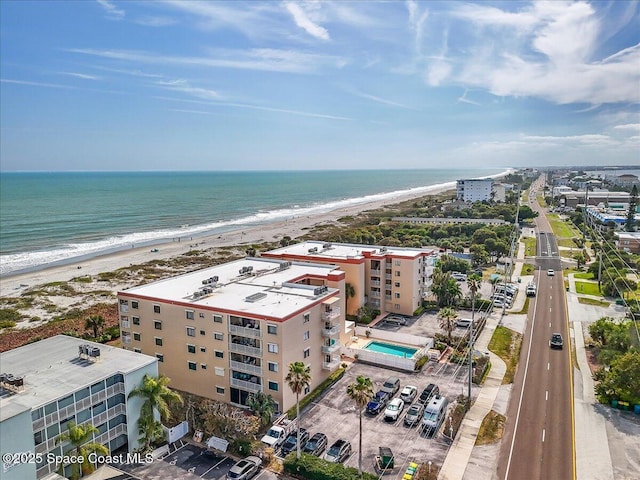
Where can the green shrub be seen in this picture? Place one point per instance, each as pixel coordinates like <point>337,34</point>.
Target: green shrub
<point>10,314</point>
<point>418,311</point>
<point>421,362</point>
<point>7,324</point>
<point>310,467</point>
<point>316,392</point>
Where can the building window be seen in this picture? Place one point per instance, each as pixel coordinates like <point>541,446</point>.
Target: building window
<point>220,390</point>
<point>272,347</point>
<point>397,295</point>
<point>136,336</point>
<point>53,430</point>
<point>203,349</point>
<point>218,336</point>
<point>156,309</point>
<point>217,319</point>
<point>157,324</point>
<point>189,314</point>
<point>191,332</point>
<point>203,332</point>
<point>38,437</point>
<point>201,315</point>
<point>397,284</point>
<point>160,357</point>
<point>219,353</point>
<point>273,367</point>
<point>137,350</point>
<point>158,341</point>
<point>397,273</point>
<point>203,366</point>
<point>397,263</point>
<point>65,402</point>
<point>306,317</point>
<point>134,304</point>
<point>219,371</point>
<point>191,348</point>
<point>306,352</point>
<point>272,329</point>
<point>192,365</point>
<point>136,320</point>
<point>396,306</point>
<point>305,336</point>
<point>124,302</point>
<point>273,386</point>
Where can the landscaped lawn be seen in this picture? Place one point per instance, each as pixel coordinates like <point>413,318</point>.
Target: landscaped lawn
<point>588,288</point>
<point>568,242</point>
<point>506,344</point>
<point>584,275</point>
<point>529,246</point>
<point>593,301</point>
<point>528,269</point>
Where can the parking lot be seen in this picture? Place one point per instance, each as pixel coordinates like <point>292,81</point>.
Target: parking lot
<point>335,414</point>
<point>188,461</point>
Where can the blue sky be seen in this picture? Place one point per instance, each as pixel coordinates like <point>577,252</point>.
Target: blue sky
<point>178,85</point>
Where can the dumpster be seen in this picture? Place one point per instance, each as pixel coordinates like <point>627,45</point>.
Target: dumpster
<point>636,409</point>
<point>384,461</point>
<point>614,403</point>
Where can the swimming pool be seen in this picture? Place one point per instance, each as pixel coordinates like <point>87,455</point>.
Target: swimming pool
<point>391,349</point>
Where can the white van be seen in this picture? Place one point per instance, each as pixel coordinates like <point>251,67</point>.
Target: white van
<point>434,414</point>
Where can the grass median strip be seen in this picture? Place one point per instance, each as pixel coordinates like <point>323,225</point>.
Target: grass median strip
<point>506,344</point>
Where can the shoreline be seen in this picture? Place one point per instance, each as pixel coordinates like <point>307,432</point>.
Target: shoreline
<point>12,284</point>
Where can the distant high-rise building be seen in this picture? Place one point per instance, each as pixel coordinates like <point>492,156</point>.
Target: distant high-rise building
<point>475,190</point>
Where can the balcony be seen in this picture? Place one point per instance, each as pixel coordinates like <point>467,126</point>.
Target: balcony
<point>332,365</point>
<point>245,367</point>
<point>330,330</point>
<point>245,349</point>
<point>375,283</point>
<point>388,276</point>
<point>245,331</point>
<point>125,323</point>
<point>331,347</point>
<point>331,314</point>
<point>375,294</point>
<point>243,384</point>
<point>126,339</point>
<point>375,272</point>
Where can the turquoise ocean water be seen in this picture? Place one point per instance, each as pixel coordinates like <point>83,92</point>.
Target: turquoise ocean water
<point>51,218</point>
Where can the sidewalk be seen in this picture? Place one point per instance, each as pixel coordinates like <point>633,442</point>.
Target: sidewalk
<point>455,464</point>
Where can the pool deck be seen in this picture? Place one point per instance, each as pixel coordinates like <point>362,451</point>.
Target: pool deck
<point>363,341</point>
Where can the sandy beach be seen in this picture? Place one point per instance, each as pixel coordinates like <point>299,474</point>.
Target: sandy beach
<point>11,286</point>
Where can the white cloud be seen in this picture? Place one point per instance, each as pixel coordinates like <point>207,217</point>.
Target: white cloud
<point>184,87</point>
<point>84,76</point>
<point>303,21</point>
<point>112,11</point>
<point>375,98</point>
<point>629,126</point>
<point>35,84</point>
<point>155,21</point>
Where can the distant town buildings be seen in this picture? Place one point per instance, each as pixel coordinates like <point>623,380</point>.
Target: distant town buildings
<point>48,384</point>
<point>475,190</point>
<point>628,241</point>
<point>448,220</point>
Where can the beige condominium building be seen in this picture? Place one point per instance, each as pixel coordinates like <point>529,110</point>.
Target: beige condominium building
<point>231,330</point>
<point>391,279</point>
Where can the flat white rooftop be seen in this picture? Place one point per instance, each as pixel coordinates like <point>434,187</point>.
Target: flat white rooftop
<point>52,369</point>
<point>269,290</point>
<point>347,251</point>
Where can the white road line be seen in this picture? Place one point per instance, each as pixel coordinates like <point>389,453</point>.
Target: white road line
<point>548,366</point>
<point>546,395</point>
<point>549,324</point>
<point>550,297</point>
<point>543,432</point>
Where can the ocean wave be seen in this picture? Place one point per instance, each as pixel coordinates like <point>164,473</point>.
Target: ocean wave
<point>34,260</point>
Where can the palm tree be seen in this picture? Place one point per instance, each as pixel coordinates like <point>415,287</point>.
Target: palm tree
<point>360,392</point>
<point>156,395</point>
<point>150,430</point>
<point>95,323</point>
<point>79,436</point>
<point>447,318</point>
<point>473,282</point>
<point>298,378</point>
<point>349,292</point>
<point>262,405</point>
<point>453,292</point>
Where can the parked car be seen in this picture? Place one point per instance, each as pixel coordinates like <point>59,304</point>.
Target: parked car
<point>244,469</point>
<point>414,414</point>
<point>408,393</point>
<point>556,341</point>
<point>391,386</point>
<point>291,443</point>
<point>460,277</point>
<point>463,322</point>
<point>430,391</point>
<point>394,409</point>
<point>396,320</point>
<point>316,444</point>
<point>378,402</point>
<point>338,452</point>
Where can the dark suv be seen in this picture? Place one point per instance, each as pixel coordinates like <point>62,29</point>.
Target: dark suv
<point>291,443</point>
<point>556,341</point>
<point>431,391</point>
<point>316,444</point>
<point>378,403</point>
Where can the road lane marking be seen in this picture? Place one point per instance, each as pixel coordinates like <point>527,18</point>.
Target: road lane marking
<point>550,297</point>
<point>548,365</point>
<point>546,395</point>
<point>543,435</point>
<point>549,324</point>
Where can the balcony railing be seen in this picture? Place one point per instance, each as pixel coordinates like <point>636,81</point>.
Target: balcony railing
<point>375,283</point>
<point>126,339</point>
<point>245,367</point>
<point>375,294</point>
<point>330,330</point>
<point>331,348</point>
<point>245,331</point>
<point>375,272</point>
<point>250,386</point>
<point>332,365</point>
<point>247,350</point>
<point>125,323</point>
<point>331,314</point>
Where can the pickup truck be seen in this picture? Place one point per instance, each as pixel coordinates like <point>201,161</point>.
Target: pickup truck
<point>279,431</point>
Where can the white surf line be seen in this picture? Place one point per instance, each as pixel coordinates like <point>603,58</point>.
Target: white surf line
<point>524,382</point>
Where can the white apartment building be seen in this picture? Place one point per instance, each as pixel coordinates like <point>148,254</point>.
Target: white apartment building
<point>391,279</point>
<point>475,190</point>
<point>230,330</point>
<point>47,384</point>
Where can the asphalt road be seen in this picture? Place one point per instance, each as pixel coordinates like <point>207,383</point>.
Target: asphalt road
<point>539,437</point>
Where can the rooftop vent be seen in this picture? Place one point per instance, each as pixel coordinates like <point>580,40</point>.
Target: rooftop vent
<point>245,270</point>
<point>313,250</point>
<point>210,280</point>
<point>284,265</point>
<point>326,246</point>
<point>255,297</point>
<point>320,290</point>
<point>89,352</point>
<point>383,249</point>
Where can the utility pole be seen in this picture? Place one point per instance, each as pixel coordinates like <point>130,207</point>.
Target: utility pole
<point>473,305</point>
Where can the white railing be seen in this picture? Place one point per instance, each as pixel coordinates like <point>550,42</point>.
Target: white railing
<point>239,348</point>
<point>330,331</point>
<point>245,367</point>
<point>245,331</point>
<point>332,365</point>
<point>331,314</point>
<point>331,347</point>
<point>252,387</point>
